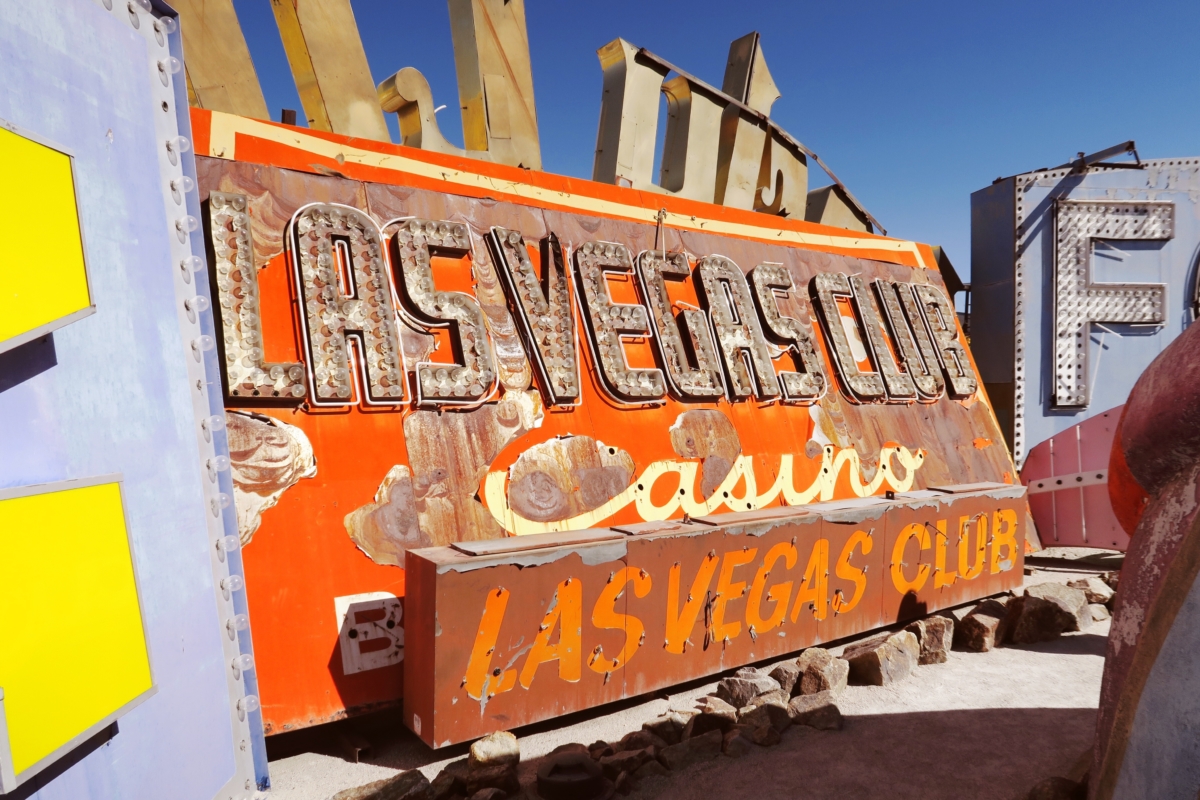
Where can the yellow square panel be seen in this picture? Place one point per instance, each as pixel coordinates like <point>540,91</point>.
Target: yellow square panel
<point>73,656</point>
<point>43,281</point>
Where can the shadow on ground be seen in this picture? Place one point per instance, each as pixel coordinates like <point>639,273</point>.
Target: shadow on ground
<point>919,739</point>
<point>980,753</point>
<point>939,755</point>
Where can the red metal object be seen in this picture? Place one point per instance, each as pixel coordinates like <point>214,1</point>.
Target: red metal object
<point>502,640</point>
<point>1068,477</point>
<point>1147,710</point>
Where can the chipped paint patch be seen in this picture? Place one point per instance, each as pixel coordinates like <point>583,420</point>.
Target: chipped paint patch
<point>266,458</point>
<point>567,476</point>
<point>388,527</point>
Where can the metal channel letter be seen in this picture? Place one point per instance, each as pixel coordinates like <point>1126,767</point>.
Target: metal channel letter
<point>899,385</point>
<point>826,288</point>
<point>943,324</point>
<point>628,116</point>
<point>757,168</point>
<point>678,354</point>
<point>795,335</point>
<point>692,139</point>
<point>495,80</point>
<point>330,67</point>
<point>407,95</point>
<point>609,322</point>
<point>414,243</point>
<point>735,323</point>
<point>246,373</point>
<point>909,333</point>
<point>218,66</point>
<point>1078,302</point>
<point>544,310</point>
<point>338,256</point>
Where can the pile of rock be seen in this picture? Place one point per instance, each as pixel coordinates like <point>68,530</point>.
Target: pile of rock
<point>1101,593</point>
<point>752,708</point>
<point>488,773</point>
<point>1042,613</point>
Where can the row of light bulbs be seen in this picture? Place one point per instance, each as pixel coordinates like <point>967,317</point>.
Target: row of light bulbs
<point>194,306</point>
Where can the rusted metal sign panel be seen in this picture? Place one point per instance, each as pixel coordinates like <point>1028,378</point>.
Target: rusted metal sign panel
<point>421,350</point>
<point>497,641</point>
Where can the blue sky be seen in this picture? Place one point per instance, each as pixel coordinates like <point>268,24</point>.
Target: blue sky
<point>914,105</point>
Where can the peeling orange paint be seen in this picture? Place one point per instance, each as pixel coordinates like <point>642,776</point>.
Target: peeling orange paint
<point>982,443</point>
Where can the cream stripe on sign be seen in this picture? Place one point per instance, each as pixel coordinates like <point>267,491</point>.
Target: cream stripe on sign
<point>222,144</point>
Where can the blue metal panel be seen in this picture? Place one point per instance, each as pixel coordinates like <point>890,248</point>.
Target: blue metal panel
<point>120,391</point>
<point>1116,353</point>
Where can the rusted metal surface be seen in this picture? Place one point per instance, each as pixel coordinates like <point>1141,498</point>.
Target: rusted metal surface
<point>450,454</point>
<point>388,527</point>
<point>266,458</point>
<point>1147,707</point>
<point>567,476</point>
<point>501,640</point>
<point>406,471</point>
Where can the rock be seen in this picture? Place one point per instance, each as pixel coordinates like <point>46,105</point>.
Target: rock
<point>626,761</point>
<point>411,785</point>
<point>1099,612</point>
<point>787,675</point>
<point>1111,578</point>
<point>1032,619</point>
<point>600,749</point>
<point>936,636</point>
<point>715,715</point>
<point>698,748</point>
<point>489,794</point>
<point>497,776</point>
<point>649,769</point>
<point>904,640</point>
<point>1072,602</point>
<point>816,711</point>
<point>763,735</point>
<point>749,673</point>
<point>1094,589</point>
<point>883,660</point>
<point>623,784</point>
<point>573,747</point>
<point>1058,789</point>
<point>448,783</point>
<point>568,776</point>
<point>669,727</point>
<point>769,709</point>
<point>776,695</point>
<point>711,704</point>
<point>1045,612</point>
<point>640,740</point>
<point>495,748</point>
<point>492,764</point>
<point>821,672</point>
<point>739,690</point>
<point>735,745</point>
<point>983,628</point>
